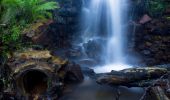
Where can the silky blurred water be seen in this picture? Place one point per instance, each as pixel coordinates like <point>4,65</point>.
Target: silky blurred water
<point>105,19</point>
<point>90,90</point>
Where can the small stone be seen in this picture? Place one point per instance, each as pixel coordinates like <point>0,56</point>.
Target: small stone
<point>145,19</point>
<point>168,91</point>
<point>146,52</point>
<point>148,44</point>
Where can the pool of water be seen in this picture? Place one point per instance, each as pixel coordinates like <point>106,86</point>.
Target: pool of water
<point>90,90</point>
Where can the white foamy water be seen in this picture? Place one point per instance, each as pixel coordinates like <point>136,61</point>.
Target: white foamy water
<point>110,67</point>
<point>106,17</point>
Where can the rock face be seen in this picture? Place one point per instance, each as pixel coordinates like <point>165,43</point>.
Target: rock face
<point>61,31</point>
<point>94,49</point>
<point>37,74</point>
<point>151,41</point>
<point>1,86</point>
<point>145,19</point>
<point>66,26</point>
<point>73,73</point>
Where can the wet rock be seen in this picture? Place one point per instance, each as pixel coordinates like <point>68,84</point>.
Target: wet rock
<point>37,28</point>
<point>38,33</point>
<point>168,92</point>
<point>32,54</point>
<point>72,73</point>
<point>151,42</point>
<point>58,61</point>
<point>1,86</point>
<point>167,10</point>
<point>87,62</point>
<point>94,48</point>
<point>9,96</point>
<point>127,76</point>
<point>69,8</point>
<point>74,53</point>
<point>158,27</point>
<point>36,73</point>
<point>145,19</point>
<point>146,52</point>
<point>66,28</point>
<point>88,72</point>
<point>54,33</point>
<point>32,77</point>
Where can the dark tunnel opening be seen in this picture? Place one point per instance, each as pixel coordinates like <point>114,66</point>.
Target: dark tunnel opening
<point>35,82</point>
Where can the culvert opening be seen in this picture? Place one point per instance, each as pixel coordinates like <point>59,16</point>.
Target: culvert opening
<point>35,82</point>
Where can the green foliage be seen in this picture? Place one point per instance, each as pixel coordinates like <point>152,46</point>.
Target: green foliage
<point>168,18</point>
<point>26,11</point>
<point>16,15</point>
<point>10,39</point>
<point>156,7</point>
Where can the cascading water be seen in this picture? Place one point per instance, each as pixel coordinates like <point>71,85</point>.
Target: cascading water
<point>106,17</point>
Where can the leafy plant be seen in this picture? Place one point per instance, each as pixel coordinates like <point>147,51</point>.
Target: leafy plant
<point>16,15</point>
<point>26,11</point>
<point>156,7</point>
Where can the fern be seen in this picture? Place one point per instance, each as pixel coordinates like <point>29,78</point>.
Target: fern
<point>18,14</point>
<point>29,10</point>
<point>156,7</point>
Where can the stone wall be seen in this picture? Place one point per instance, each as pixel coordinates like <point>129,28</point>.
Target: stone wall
<point>60,32</point>
<point>66,24</point>
<point>152,41</point>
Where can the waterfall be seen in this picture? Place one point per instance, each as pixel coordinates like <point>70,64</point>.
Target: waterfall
<point>114,53</point>
<point>107,17</point>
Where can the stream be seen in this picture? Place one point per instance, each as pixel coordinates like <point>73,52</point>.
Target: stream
<point>90,90</point>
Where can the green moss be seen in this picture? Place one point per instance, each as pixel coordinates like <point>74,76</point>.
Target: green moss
<point>156,7</point>
<point>16,16</point>
<point>168,18</point>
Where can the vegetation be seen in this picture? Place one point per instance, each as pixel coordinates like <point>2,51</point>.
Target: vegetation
<point>156,7</point>
<point>16,15</point>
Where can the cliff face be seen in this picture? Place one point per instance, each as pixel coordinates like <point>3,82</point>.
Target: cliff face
<point>152,40</point>
<point>61,31</point>
<point>66,26</point>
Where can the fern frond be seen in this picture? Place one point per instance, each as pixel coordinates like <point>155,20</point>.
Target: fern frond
<point>47,6</point>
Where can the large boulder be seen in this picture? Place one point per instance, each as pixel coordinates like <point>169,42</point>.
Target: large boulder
<point>73,73</point>
<point>36,73</point>
<point>94,48</point>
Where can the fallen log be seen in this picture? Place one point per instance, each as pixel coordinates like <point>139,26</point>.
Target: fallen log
<point>154,79</point>
<point>148,89</point>
<point>146,83</point>
<point>132,76</point>
<point>157,93</point>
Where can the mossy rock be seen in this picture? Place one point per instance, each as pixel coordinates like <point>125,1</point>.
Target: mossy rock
<point>33,54</point>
